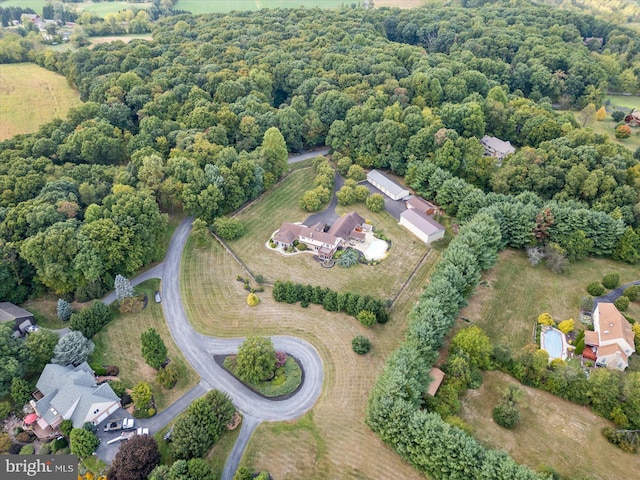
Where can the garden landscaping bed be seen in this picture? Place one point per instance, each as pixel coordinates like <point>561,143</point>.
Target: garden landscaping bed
<point>292,372</point>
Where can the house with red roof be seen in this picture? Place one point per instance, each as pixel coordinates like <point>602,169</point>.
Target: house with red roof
<point>610,344</point>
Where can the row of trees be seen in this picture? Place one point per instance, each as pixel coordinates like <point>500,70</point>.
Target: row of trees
<point>396,411</point>
<point>349,303</point>
<point>526,219</point>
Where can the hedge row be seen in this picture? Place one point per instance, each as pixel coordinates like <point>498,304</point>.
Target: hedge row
<point>350,303</point>
<point>396,412</point>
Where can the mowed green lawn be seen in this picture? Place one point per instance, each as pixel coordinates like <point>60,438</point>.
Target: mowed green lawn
<point>31,96</point>
<point>517,293</point>
<point>103,8</point>
<point>625,101</point>
<point>35,5</point>
<point>119,344</point>
<point>281,204</point>
<point>223,6</point>
<point>553,432</point>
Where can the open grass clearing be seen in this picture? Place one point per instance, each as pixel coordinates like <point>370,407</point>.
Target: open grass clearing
<point>607,127</point>
<point>626,101</point>
<point>331,441</point>
<point>120,38</point>
<point>35,5</point>
<point>119,344</point>
<point>31,96</point>
<point>266,215</point>
<point>103,8</point>
<point>553,432</point>
<point>517,293</point>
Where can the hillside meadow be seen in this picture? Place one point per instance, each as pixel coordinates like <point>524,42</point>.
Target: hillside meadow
<point>31,96</point>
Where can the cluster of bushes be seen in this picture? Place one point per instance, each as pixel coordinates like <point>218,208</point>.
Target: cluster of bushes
<point>611,281</point>
<point>351,192</point>
<point>397,412</point>
<point>104,370</point>
<point>247,284</point>
<point>367,309</point>
<point>622,440</point>
<point>312,200</point>
<point>228,228</point>
<point>506,413</point>
<point>195,432</point>
<point>92,319</point>
<point>168,376</point>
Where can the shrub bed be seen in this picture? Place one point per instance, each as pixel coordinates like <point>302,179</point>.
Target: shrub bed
<point>286,380</point>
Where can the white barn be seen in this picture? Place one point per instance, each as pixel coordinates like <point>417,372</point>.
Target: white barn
<point>387,186</point>
<point>421,225</point>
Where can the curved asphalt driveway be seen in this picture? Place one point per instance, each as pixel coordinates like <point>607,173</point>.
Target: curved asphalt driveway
<point>200,349</point>
<point>613,294</point>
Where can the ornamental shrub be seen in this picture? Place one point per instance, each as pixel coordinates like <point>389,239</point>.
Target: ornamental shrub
<point>566,326</point>
<point>366,318</point>
<point>621,303</point>
<point>623,131</point>
<point>595,289</point>
<point>360,344</point>
<point>611,281</point>
<point>545,319</point>
<point>506,414</point>
<point>252,300</point>
<point>27,450</point>
<point>632,292</point>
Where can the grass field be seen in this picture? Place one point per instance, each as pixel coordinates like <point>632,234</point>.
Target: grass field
<point>119,344</point>
<point>30,96</point>
<point>119,38</point>
<point>625,101</point>
<point>331,441</point>
<point>518,293</point>
<point>35,5</point>
<point>552,432</point>
<point>265,216</point>
<point>103,8</point>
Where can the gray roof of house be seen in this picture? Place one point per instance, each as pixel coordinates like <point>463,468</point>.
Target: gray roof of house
<point>384,181</point>
<point>9,311</point>
<point>424,222</point>
<point>498,145</point>
<point>71,391</point>
<point>344,225</point>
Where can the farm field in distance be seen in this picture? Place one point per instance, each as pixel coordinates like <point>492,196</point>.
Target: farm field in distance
<point>517,293</point>
<point>553,432</point>
<point>31,96</point>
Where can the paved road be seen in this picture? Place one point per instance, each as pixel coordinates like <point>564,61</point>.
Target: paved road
<point>200,349</point>
<point>613,294</point>
<point>307,155</point>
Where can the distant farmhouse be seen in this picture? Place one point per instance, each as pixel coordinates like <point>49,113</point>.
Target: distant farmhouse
<point>421,225</point>
<point>633,119</point>
<point>494,147</point>
<point>350,228</point>
<point>611,343</point>
<point>387,186</point>
<point>20,318</point>
<point>69,393</point>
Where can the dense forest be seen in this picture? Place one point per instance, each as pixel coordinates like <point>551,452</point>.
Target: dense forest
<point>202,117</point>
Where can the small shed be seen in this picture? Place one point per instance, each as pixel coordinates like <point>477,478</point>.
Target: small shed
<point>20,318</point>
<point>421,225</point>
<point>387,186</point>
<point>438,376</point>
<point>421,205</point>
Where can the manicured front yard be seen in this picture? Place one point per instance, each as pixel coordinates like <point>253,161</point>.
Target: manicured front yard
<point>553,432</point>
<point>119,344</point>
<point>281,204</point>
<point>516,293</point>
<point>331,441</point>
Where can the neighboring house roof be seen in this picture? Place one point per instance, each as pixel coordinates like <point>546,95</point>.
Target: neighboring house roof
<point>385,182</point>
<point>420,204</point>
<point>633,117</point>
<point>498,145</point>
<point>438,376</point>
<point>422,221</point>
<point>344,226</point>
<point>9,311</point>
<point>613,325</point>
<point>70,392</point>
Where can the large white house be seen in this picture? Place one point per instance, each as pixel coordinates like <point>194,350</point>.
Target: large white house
<point>611,342</point>
<point>421,225</point>
<point>387,186</point>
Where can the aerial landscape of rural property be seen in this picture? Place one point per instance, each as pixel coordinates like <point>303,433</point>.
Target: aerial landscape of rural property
<point>317,239</point>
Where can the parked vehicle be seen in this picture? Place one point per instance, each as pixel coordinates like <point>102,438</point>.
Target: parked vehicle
<point>157,296</point>
<point>119,424</point>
